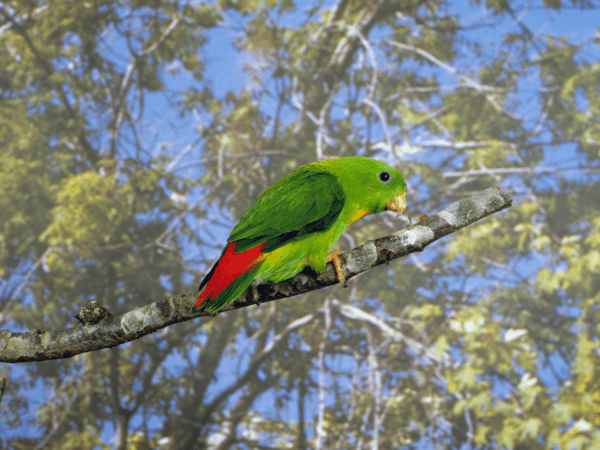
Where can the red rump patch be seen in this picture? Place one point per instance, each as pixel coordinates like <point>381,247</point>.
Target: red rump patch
<point>230,266</point>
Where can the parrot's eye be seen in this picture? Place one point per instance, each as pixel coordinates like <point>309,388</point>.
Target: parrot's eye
<point>384,176</point>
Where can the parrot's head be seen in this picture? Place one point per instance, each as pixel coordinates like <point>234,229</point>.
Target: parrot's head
<point>371,185</point>
<point>389,189</point>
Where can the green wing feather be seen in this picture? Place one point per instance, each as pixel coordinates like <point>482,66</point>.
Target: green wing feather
<point>306,201</point>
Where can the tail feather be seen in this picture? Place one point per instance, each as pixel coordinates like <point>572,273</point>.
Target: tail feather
<point>229,277</point>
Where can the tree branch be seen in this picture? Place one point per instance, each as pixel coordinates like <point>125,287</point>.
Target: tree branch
<point>109,331</point>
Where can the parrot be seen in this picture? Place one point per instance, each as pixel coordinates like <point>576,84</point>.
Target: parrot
<point>296,222</point>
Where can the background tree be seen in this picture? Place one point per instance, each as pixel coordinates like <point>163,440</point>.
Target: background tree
<point>123,165</point>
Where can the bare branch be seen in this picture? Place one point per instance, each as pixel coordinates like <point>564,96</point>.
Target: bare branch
<point>352,312</point>
<point>517,170</point>
<point>469,81</point>
<point>4,313</point>
<point>445,143</point>
<point>126,82</point>
<point>21,18</point>
<point>40,345</point>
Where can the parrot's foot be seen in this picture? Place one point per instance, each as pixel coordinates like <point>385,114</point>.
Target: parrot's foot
<point>334,257</point>
<point>254,286</point>
<point>255,296</point>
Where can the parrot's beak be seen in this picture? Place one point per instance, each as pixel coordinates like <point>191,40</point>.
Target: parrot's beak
<point>398,204</point>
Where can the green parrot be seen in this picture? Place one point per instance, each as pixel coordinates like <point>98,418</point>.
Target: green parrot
<point>295,222</point>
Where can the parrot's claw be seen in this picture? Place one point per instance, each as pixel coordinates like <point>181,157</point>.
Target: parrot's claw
<point>334,258</point>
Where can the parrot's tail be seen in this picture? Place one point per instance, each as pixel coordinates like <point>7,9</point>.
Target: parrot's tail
<point>229,277</point>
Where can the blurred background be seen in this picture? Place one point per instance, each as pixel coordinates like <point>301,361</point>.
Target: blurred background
<point>135,133</point>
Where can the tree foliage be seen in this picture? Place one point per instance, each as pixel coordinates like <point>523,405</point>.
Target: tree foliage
<point>122,168</point>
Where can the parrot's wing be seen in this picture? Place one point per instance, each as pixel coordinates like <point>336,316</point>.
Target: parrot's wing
<point>304,202</point>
